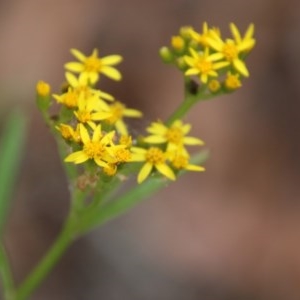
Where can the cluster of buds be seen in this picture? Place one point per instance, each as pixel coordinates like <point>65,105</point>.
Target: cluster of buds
<point>91,122</point>
<point>218,64</point>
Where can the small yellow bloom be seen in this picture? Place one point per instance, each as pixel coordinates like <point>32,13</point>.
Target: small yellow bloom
<point>177,42</point>
<point>92,66</point>
<point>154,158</point>
<point>68,133</point>
<point>231,48</point>
<point>180,161</point>
<point>232,81</point>
<point>89,110</point>
<point>96,148</point>
<point>118,111</point>
<point>202,38</point>
<point>81,85</point>
<point>69,99</point>
<point>175,135</point>
<point>43,88</point>
<point>203,64</point>
<point>214,85</point>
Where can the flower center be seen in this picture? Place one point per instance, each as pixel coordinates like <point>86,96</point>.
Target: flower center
<point>180,162</point>
<point>94,149</point>
<point>122,155</point>
<point>83,116</point>
<point>174,135</point>
<point>204,66</point>
<point>155,156</point>
<point>70,99</point>
<point>230,51</point>
<point>92,64</point>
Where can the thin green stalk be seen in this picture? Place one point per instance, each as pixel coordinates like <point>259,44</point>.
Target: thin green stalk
<point>34,279</point>
<point>68,234</point>
<point>6,275</point>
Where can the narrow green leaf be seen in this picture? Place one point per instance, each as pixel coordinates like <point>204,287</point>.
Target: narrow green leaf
<point>95,217</point>
<point>11,147</point>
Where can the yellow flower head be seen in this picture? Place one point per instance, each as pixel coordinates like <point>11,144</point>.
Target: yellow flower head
<point>118,111</point>
<point>96,148</point>
<point>154,158</point>
<point>68,133</point>
<point>232,81</point>
<point>92,66</point>
<point>202,38</point>
<point>174,135</point>
<point>203,64</point>
<point>230,49</point>
<point>180,161</point>
<point>90,110</point>
<point>43,88</point>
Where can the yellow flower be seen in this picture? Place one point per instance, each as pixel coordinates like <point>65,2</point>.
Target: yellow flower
<point>68,133</point>
<point>91,66</point>
<point>81,85</point>
<point>43,88</point>
<point>203,64</point>
<point>175,135</point>
<point>177,42</point>
<point>69,99</point>
<point>118,111</point>
<point>96,148</point>
<point>180,161</point>
<point>214,85</point>
<point>154,158</point>
<point>231,48</point>
<point>232,81</point>
<point>202,38</point>
<point>90,110</point>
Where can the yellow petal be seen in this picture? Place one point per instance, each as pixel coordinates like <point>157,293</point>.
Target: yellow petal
<point>155,139</point>
<point>84,134</point>
<point>165,170</point>
<point>144,172</point>
<point>74,67</point>
<point>240,66</point>
<point>111,73</point>
<point>111,60</point>
<point>77,157</point>
<point>188,140</point>
<point>71,78</point>
<point>79,55</point>
<point>195,168</point>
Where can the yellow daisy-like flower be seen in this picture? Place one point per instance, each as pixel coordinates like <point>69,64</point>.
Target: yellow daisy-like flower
<point>118,111</point>
<point>231,48</point>
<point>90,110</point>
<point>232,81</point>
<point>68,133</point>
<point>69,99</point>
<point>203,64</point>
<point>43,88</point>
<point>81,85</point>
<point>91,66</point>
<point>175,135</point>
<point>96,148</point>
<point>154,158</point>
<point>202,38</point>
<point>180,161</point>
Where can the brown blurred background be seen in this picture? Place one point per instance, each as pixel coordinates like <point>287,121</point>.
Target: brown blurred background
<point>232,232</point>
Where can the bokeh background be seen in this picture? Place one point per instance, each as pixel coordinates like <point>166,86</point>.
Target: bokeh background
<point>232,232</point>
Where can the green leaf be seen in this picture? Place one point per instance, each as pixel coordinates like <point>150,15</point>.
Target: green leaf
<point>95,217</point>
<point>11,147</point>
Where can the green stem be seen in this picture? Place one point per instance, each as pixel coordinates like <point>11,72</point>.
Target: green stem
<point>190,99</point>
<point>68,234</point>
<point>5,272</point>
<point>34,279</point>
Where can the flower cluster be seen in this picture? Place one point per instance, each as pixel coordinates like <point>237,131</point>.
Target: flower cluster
<point>91,122</point>
<point>217,63</point>
<point>165,150</point>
